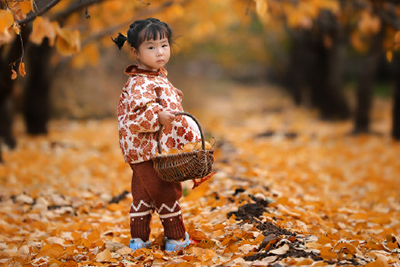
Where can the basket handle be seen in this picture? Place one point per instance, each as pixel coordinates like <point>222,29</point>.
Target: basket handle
<point>203,146</point>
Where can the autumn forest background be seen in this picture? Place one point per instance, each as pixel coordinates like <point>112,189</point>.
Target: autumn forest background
<point>301,100</point>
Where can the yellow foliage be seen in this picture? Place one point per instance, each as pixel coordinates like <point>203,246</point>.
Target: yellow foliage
<point>298,20</point>
<point>389,56</point>
<point>16,28</point>
<point>21,69</point>
<point>6,20</point>
<point>299,14</point>
<point>331,5</point>
<point>6,36</point>
<point>261,7</point>
<point>14,75</point>
<point>62,5</point>
<point>68,41</point>
<point>396,40</point>
<point>357,42</point>
<point>369,24</point>
<point>397,37</point>
<point>203,29</point>
<point>26,6</point>
<point>172,13</point>
<point>88,55</point>
<point>16,10</point>
<point>97,25</point>
<point>276,8</point>
<point>189,147</point>
<point>74,20</point>
<point>113,6</point>
<point>43,28</point>
<point>308,8</point>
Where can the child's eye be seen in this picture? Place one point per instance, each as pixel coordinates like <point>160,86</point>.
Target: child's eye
<point>151,47</point>
<point>165,45</point>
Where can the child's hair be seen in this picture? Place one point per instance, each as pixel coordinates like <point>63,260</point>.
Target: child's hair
<point>143,30</point>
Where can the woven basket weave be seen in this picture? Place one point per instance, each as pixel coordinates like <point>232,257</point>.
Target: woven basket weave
<point>184,166</point>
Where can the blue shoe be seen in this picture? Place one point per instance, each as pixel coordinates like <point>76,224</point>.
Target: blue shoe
<point>137,243</point>
<point>174,245</point>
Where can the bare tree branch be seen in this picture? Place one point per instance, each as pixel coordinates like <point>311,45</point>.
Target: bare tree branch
<point>75,6</point>
<point>39,13</point>
<point>143,13</point>
<point>392,1</point>
<point>113,29</point>
<point>389,18</point>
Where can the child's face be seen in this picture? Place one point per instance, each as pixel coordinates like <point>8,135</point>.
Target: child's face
<point>153,54</point>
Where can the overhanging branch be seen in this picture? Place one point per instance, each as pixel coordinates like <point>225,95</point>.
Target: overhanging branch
<point>39,13</point>
<point>113,29</point>
<point>75,6</point>
<point>388,19</point>
<point>392,1</point>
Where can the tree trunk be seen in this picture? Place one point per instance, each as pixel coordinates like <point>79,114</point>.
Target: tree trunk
<point>366,81</point>
<point>320,70</point>
<point>1,154</point>
<point>6,87</point>
<point>6,122</point>
<point>37,89</point>
<point>326,85</point>
<point>335,95</point>
<point>396,106</point>
<point>301,65</point>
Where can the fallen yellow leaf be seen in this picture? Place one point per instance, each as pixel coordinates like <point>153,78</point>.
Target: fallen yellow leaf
<point>104,256</point>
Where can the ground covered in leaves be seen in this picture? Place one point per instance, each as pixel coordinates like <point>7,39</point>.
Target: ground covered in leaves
<point>289,190</point>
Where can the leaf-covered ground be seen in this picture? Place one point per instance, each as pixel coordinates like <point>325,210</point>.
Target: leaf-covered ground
<point>289,190</point>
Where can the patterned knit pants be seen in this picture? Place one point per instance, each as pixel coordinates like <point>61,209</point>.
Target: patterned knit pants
<point>151,193</point>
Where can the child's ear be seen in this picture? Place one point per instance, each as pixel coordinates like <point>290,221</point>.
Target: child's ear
<point>134,52</point>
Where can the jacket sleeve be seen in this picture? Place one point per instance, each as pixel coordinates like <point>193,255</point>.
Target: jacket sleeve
<point>141,108</point>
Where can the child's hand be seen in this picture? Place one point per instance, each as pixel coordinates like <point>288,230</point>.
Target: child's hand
<point>165,118</point>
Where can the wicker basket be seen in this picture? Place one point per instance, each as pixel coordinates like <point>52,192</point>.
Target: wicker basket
<point>184,166</point>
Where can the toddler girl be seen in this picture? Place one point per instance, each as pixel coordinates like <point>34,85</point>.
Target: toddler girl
<point>148,100</point>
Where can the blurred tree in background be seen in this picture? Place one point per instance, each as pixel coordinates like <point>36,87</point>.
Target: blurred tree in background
<point>327,36</point>
<point>311,47</point>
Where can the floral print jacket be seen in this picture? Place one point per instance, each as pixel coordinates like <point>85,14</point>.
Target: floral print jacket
<point>143,96</point>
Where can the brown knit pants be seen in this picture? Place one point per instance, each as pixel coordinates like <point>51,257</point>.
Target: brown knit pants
<point>150,192</point>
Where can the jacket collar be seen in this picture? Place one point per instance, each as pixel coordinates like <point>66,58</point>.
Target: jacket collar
<point>134,70</point>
